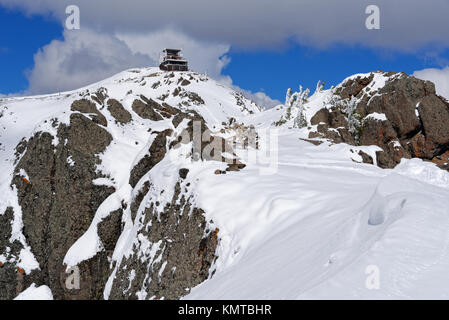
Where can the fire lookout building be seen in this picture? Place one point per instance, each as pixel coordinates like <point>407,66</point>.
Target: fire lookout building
<point>172,60</point>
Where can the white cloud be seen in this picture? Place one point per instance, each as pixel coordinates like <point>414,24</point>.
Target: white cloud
<point>405,24</point>
<point>86,56</point>
<point>118,34</point>
<point>261,98</point>
<point>82,58</point>
<point>206,57</point>
<point>438,76</point>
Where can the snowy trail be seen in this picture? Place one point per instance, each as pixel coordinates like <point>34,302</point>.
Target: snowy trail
<point>304,232</point>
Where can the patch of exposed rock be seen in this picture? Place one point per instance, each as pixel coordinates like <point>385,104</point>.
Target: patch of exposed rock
<point>150,109</point>
<point>59,201</point>
<point>155,154</point>
<point>405,117</point>
<point>173,252</point>
<point>88,107</point>
<point>117,110</point>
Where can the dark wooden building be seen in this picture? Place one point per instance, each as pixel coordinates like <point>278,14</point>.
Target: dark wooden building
<point>172,60</point>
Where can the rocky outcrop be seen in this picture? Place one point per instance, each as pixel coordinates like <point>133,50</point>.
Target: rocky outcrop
<point>54,177</point>
<point>150,109</point>
<point>173,252</point>
<point>88,107</point>
<point>155,154</point>
<point>59,201</point>
<point>120,114</point>
<point>404,116</point>
<point>434,113</point>
<point>11,280</point>
<point>145,111</point>
<point>59,189</point>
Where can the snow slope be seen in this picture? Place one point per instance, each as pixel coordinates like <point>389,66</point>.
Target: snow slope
<point>21,118</point>
<point>319,226</point>
<point>300,222</point>
<point>35,293</point>
<point>305,233</point>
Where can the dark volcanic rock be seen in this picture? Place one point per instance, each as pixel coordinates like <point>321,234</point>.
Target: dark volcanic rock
<point>156,153</point>
<point>434,113</point>
<point>145,111</point>
<point>172,256</point>
<point>59,202</point>
<point>109,230</point>
<point>416,120</point>
<point>183,173</point>
<point>86,106</point>
<point>11,282</point>
<point>119,112</point>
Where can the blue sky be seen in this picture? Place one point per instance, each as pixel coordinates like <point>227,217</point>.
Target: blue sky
<point>273,71</point>
<point>21,37</point>
<point>29,29</point>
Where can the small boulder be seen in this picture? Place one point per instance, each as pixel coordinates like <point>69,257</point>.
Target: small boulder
<point>183,173</point>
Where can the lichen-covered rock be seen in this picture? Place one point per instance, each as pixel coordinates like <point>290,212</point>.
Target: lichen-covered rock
<point>173,252</point>
<point>11,282</point>
<point>145,111</point>
<point>155,154</point>
<point>110,228</point>
<point>59,201</point>
<point>434,113</point>
<point>86,106</point>
<point>119,112</point>
<point>403,116</point>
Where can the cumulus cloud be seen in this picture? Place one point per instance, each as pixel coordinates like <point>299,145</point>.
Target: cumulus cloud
<point>261,98</point>
<point>438,76</point>
<point>205,57</point>
<point>118,34</point>
<point>405,24</point>
<point>82,58</point>
<point>86,56</point>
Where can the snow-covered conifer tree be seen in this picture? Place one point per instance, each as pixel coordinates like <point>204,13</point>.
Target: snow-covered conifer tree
<point>319,86</point>
<point>295,107</point>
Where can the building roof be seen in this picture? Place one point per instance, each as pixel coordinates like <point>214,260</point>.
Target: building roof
<point>174,50</point>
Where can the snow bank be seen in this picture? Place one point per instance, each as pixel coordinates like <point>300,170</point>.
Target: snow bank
<point>35,293</point>
<point>314,229</point>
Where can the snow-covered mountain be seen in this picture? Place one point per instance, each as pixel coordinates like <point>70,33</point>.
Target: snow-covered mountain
<point>108,182</point>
